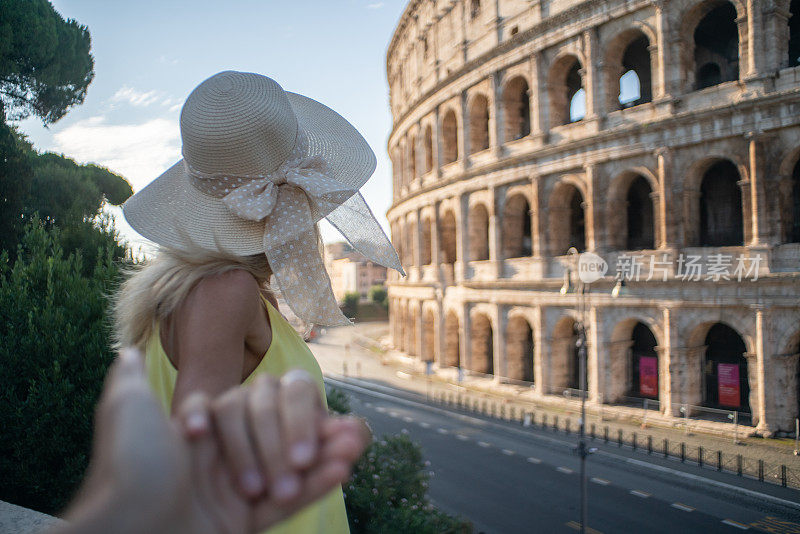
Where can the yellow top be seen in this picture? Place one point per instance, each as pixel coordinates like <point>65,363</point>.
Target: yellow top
<point>286,351</point>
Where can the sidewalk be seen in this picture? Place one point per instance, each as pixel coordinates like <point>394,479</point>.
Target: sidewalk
<point>378,363</point>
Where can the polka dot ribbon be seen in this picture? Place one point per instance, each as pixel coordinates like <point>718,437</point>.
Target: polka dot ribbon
<point>289,200</point>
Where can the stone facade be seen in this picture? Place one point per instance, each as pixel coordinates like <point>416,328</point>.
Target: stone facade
<point>350,271</point>
<point>513,141</point>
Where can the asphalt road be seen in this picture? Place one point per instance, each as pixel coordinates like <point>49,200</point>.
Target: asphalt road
<point>506,478</point>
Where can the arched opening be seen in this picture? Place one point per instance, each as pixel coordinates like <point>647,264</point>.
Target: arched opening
<point>449,137</point>
<point>565,91</point>
<point>428,336</point>
<point>426,253</point>
<point>428,141</point>
<point>716,46</point>
<point>447,237</point>
<point>517,241</point>
<point>482,335</point>
<point>725,370</point>
<point>641,225</point>
<point>452,349</point>
<point>517,109</point>
<point>412,158</point>
<point>564,365</point>
<point>794,33</point>
<point>474,8</point>
<point>478,233</point>
<point>643,378</point>
<point>635,84</point>
<point>478,124</point>
<point>519,349</point>
<point>721,206</point>
<point>794,233</point>
<point>567,223</point>
<point>577,222</point>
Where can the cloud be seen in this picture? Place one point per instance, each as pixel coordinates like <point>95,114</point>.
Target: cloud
<point>376,5</point>
<point>134,97</point>
<point>139,152</point>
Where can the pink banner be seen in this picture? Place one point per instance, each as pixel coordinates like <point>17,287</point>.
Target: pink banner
<point>648,376</point>
<point>728,384</point>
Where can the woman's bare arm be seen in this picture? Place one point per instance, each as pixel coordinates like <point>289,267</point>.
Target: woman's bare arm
<point>210,328</point>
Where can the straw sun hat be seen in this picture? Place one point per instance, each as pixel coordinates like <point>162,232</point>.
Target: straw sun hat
<point>260,167</point>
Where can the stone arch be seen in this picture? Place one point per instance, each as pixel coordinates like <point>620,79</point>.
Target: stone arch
<point>427,144</point>
<point>712,36</point>
<point>478,123</point>
<point>478,232</point>
<point>481,343</point>
<point>634,361</point>
<point>447,237</point>
<point>452,340</point>
<point>516,108</point>
<point>428,334</point>
<point>564,356</point>
<point>789,197</point>
<point>449,137</point>
<point>720,205</point>
<point>631,210</point>
<point>516,227</point>
<point>629,52</point>
<point>725,346</point>
<point>567,218</point>
<point>519,349</point>
<point>565,80</point>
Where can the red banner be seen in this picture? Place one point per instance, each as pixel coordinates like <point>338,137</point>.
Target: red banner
<point>648,376</point>
<point>728,384</point>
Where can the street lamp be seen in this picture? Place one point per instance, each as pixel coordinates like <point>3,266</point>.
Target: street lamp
<point>581,343</point>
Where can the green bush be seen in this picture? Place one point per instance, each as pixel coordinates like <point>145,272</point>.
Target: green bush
<point>379,295</point>
<point>388,490</point>
<point>350,304</point>
<point>53,357</point>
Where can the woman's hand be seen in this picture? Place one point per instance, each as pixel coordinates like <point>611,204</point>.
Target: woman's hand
<point>278,446</point>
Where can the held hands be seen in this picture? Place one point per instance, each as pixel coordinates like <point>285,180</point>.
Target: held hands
<point>238,463</point>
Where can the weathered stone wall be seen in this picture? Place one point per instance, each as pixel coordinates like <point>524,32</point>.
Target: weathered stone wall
<point>486,135</point>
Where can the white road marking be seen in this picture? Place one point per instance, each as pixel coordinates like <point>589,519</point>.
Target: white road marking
<point>462,437</point>
<point>368,404</point>
<point>638,493</point>
<point>442,431</point>
<point>736,524</point>
<point>403,375</point>
<point>534,460</point>
<point>381,409</point>
<point>565,470</point>
<point>394,414</point>
<point>423,424</point>
<point>408,419</point>
<point>601,481</point>
<point>508,452</point>
<point>484,444</point>
<point>681,506</point>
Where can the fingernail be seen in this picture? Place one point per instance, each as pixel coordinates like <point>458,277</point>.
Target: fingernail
<point>252,482</point>
<point>302,452</point>
<point>197,422</point>
<point>286,486</point>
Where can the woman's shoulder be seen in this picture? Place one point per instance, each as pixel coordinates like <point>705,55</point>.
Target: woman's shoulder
<point>233,291</point>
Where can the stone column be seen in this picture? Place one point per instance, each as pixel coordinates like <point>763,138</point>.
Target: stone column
<point>776,26</point>
<point>757,377</point>
<point>539,354</point>
<point>494,234</point>
<point>496,117</point>
<point>462,238</point>
<point>539,96</point>
<point>593,359</point>
<point>536,222</point>
<point>499,321</point>
<point>435,246</point>
<point>465,347</point>
<point>753,28</point>
<point>658,69</point>
<point>668,223</point>
<point>758,205</point>
<point>463,138</point>
<point>591,81</point>
<point>436,133</point>
<point>593,241</point>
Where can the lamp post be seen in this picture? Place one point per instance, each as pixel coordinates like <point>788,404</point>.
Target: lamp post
<point>581,342</point>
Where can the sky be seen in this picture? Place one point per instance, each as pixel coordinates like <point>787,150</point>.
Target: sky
<point>149,55</point>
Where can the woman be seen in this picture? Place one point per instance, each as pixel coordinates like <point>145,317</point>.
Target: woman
<point>261,166</point>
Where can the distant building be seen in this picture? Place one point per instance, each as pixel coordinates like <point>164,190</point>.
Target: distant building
<point>350,271</point>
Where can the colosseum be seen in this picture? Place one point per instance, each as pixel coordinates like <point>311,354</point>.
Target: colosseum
<point>662,136</point>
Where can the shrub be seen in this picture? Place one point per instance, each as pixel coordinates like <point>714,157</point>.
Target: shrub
<point>379,295</point>
<point>388,490</point>
<point>350,304</point>
<point>53,357</point>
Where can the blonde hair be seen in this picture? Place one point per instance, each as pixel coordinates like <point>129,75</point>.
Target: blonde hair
<point>156,287</point>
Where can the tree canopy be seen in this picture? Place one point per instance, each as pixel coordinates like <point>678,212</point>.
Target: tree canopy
<point>45,63</point>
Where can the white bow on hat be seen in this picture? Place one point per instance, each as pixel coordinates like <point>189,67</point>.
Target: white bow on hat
<point>261,166</point>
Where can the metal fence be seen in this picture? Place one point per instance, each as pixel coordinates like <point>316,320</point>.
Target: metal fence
<point>704,457</point>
